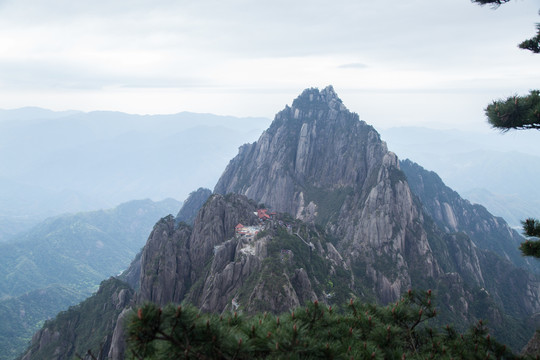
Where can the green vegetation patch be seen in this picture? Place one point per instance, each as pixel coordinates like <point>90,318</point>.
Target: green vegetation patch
<point>360,331</point>
<point>83,326</point>
<point>329,202</point>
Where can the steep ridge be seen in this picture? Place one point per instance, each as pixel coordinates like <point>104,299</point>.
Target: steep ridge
<point>300,149</point>
<point>86,327</point>
<point>213,263</point>
<point>453,213</point>
<point>273,265</point>
<point>319,162</point>
<point>192,205</point>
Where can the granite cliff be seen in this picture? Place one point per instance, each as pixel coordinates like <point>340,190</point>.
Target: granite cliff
<point>192,205</point>
<point>322,164</point>
<point>455,214</point>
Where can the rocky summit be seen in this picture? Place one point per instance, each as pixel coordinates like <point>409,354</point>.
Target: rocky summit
<point>319,209</point>
<point>322,164</point>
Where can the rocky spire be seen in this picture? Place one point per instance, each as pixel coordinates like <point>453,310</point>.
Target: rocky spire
<point>313,98</point>
<point>320,163</point>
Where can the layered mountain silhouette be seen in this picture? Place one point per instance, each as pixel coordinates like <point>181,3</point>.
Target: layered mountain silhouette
<point>319,209</point>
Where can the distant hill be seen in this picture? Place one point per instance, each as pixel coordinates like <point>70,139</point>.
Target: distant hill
<point>57,162</point>
<point>63,259</point>
<point>25,314</point>
<point>491,169</point>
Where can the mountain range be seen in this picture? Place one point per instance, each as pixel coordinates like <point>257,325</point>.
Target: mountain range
<point>62,260</point>
<point>316,209</point>
<point>57,162</point>
<point>71,161</point>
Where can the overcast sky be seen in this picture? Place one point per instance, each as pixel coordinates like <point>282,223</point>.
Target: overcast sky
<point>435,63</point>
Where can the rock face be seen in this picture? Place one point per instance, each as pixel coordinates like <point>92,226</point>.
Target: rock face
<point>453,214</point>
<point>192,205</point>
<point>300,150</point>
<point>216,268</point>
<point>176,256</point>
<point>320,163</point>
<point>165,264</point>
<point>87,326</point>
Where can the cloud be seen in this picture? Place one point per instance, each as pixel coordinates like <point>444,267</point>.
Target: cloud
<point>230,48</point>
<point>353,66</point>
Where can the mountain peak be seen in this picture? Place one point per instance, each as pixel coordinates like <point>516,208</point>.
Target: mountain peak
<point>314,144</point>
<point>314,98</point>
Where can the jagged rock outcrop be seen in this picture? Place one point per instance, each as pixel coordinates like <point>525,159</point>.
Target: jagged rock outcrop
<point>216,268</point>
<point>480,246</point>
<point>192,205</point>
<point>320,163</point>
<point>453,213</point>
<point>226,276</point>
<point>216,223</point>
<point>165,263</point>
<point>118,345</point>
<point>300,149</point>
<point>87,326</point>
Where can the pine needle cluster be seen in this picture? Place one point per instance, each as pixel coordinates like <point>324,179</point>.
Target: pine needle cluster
<point>532,44</point>
<point>531,228</point>
<point>516,112</point>
<point>356,331</point>
<point>494,3</point>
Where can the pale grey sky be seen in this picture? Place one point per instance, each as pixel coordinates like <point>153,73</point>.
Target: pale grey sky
<point>435,63</point>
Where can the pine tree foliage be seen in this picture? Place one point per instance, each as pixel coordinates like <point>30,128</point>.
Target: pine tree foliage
<point>532,44</point>
<point>495,3</point>
<point>516,112</point>
<point>519,112</point>
<point>357,331</point>
<point>531,228</point>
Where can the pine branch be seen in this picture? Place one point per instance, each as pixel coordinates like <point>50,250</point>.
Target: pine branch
<point>532,44</point>
<point>516,112</point>
<point>494,3</point>
<point>531,227</point>
<point>366,331</point>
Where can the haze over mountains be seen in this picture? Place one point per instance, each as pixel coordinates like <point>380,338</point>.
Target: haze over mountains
<point>55,162</point>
